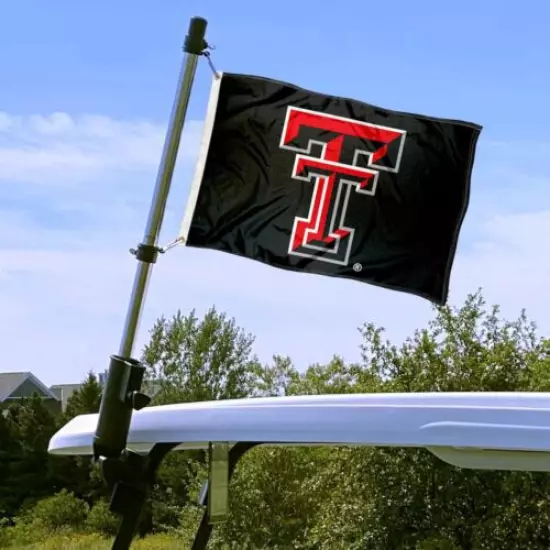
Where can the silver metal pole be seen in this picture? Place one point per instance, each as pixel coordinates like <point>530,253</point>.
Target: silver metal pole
<point>122,392</point>
<point>160,196</point>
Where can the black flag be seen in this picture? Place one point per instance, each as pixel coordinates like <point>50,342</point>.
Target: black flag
<point>321,184</point>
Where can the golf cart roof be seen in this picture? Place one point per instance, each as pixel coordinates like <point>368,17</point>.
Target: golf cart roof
<point>506,431</point>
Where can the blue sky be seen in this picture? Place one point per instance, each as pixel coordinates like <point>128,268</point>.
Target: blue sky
<point>85,93</point>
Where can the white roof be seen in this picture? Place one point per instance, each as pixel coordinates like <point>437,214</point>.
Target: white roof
<point>509,431</point>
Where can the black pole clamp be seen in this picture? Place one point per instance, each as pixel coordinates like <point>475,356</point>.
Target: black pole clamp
<point>147,253</point>
<point>122,396</point>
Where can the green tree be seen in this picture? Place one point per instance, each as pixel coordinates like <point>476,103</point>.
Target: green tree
<point>33,472</point>
<point>277,379</point>
<point>86,399</point>
<point>8,449</point>
<point>335,377</point>
<point>276,497</point>
<point>191,359</point>
<point>198,360</point>
<point>81,476</point>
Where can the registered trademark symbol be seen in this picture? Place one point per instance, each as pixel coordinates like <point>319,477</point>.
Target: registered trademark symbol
<point>357,268</point>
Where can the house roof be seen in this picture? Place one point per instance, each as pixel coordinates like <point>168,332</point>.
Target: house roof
<point>10,381</point>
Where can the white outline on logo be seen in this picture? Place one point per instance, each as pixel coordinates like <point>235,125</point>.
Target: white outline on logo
<point>344,186</point>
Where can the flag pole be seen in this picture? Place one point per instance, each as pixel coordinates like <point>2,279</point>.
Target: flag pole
<point>122,392</point>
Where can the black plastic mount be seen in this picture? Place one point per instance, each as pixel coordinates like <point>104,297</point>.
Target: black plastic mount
<point>122,396</point>
<point>131,477</point>
<point>194,41</point>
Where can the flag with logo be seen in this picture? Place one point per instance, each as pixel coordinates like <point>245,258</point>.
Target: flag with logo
<point>326,185</point>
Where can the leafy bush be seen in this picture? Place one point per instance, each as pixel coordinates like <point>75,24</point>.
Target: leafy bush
<point>189,520</point>
<point>19,534</point>
<point>4,532</point>
<point>36,522</point>
<point>165,516</point>
<point>62,510</point>
<point>101,519</point>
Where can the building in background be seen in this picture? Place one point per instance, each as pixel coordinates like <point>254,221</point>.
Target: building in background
<point>63,392</point>
<point>16,386</point>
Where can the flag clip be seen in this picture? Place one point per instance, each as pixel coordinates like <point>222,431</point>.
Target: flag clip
<point>171,244</point>
<point>206,53</point>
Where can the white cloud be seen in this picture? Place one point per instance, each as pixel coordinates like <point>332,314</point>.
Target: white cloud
<point>75,192</point>
<point>62,150</point>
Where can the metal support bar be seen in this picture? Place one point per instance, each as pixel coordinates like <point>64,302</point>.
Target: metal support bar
<point>205,528</point>
<point>218,482</point>
<point>122,390</point>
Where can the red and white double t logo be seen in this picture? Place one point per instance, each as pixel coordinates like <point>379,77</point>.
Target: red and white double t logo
<point>340,168</point>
